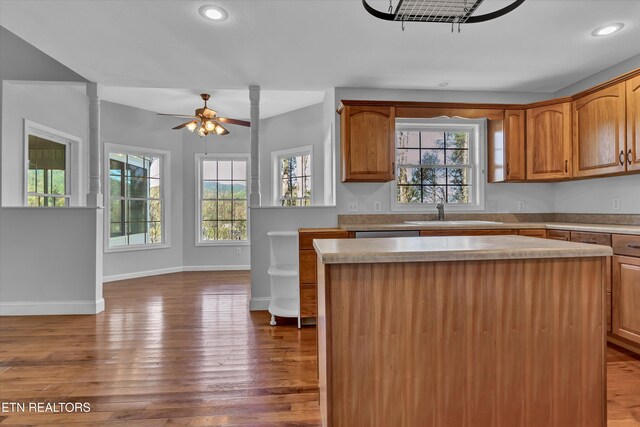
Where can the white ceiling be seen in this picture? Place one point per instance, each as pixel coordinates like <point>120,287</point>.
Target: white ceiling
<point>312,45</point>
<point>228,103</point>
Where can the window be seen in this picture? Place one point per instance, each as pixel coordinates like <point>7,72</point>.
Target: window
<point>222,199</point>
<point>292,177</point>
<point>438,162</point>
<point>48,154</point>
<point>136,198</point>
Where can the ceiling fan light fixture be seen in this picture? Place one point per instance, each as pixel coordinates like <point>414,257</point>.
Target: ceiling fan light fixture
<point>192,126</point>
<point>219,129</point>
<point>209,126</point>
<point>213,13</point>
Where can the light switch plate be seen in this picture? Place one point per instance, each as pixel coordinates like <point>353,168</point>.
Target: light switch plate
<point>352,206</point>
<point>377,206</point>
<point>616,204</point>
<point>521,205</point>
<point>492,205</point>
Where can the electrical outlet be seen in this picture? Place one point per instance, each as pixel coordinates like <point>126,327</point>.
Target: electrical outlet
<point>616,204</point>
<point>492,205</point>
<point>352,206</point>
<point>521,205</point>
<point>238,251</point>
<point>377,206</point>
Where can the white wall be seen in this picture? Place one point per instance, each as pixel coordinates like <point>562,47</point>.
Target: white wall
<point>597,195</point>
<point>292,130</point>
<point>536,197</point>
<point>267,219</point>
<point>61,106</point>
<point>132,126</point>
<point>224,256</point>
<point>51,261</point>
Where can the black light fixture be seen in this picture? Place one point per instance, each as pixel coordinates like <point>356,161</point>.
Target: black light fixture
<point>454,12</point>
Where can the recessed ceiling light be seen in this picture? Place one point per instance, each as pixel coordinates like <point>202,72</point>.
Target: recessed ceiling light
<point>443,84</point>
<point>607,30</point>
<point>213,13</point>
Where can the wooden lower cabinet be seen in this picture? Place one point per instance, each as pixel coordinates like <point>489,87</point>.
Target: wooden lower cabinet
<point>307,267</point>
<point>559,235</point>
<point>626,298</point>
<point>533,232</point>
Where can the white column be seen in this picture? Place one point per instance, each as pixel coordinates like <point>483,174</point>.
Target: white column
<point>254,195</point>
<point>94,196</point>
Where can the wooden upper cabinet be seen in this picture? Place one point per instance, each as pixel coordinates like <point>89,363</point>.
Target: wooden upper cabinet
<point>599,132</point>
<point>633,123</point>
<point>514,137</point>
<point>367,140</point>
<point>549,142</point>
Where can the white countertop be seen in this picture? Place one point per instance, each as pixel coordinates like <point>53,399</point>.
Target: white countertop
<point>450,248</point>
<point>596,228</point>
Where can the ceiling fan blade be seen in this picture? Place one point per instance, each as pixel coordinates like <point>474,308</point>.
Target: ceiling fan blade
<point>234,121</point>
<point>177,115</point>
<point>184,124</point>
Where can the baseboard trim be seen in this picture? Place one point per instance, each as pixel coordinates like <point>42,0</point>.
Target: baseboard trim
<point>240,267</point>
<point>137,274</point>
<point>259,303</point>
<point>147,273</point>
<point>46,308</point>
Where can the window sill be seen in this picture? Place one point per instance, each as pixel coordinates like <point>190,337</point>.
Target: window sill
<point>225,243</point>
<point>137,248</point>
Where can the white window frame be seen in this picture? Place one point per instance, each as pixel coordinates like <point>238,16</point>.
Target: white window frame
<point>477,154</point>
<point>276,173</point>
<point>200,157</point>
<point>165,189</point>
<point>72,157</point>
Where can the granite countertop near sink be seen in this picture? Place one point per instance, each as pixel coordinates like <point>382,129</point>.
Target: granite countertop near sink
<point>596,228</point>
<point>450,248</point>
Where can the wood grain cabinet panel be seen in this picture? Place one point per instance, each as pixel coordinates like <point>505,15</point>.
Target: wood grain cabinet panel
<point>549,142</point>
<point>307,259</point>
<point>599,132</point>
<point>533,232</point>
<point>367,140</point>
<point>559,235</point>
<point>626,298</point>
<point>633,124</point>
<point>591,238</point>
<point>514,144</point>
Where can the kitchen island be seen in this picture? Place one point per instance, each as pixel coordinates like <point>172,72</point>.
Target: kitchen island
<point>454,331</point>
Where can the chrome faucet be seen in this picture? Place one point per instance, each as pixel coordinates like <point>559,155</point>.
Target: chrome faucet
<point>440,208</point>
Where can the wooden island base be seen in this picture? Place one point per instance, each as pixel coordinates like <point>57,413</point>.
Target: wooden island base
<point>460,343</point>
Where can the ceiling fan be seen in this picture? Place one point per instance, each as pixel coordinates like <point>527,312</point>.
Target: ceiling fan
<point>206,120</point>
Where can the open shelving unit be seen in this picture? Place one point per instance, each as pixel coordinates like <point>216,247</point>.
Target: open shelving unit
<point>283,272</point>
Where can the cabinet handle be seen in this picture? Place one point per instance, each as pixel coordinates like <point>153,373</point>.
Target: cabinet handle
<point>566,166</point>
<point>508,169</point>
<point>621,158</point>
<point>633,246</point>
<point>592,242</point>
<point>629,157</point>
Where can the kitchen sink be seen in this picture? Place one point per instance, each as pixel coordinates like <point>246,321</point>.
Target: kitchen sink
<point>446,223</point>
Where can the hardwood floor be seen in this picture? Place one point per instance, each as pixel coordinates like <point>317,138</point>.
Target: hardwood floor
<point>183,349</point>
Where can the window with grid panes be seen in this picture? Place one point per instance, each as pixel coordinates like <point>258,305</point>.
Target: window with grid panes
<point>223,199</point>
<point>435,164</point>
<point>135,200</point>
<point>295,180</point>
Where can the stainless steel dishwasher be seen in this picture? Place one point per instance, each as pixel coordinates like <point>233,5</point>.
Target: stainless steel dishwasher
<point>389,233</point>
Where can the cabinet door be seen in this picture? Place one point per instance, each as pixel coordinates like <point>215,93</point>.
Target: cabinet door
<point>626,298</point>
<point>514,122</point>
<point>599,132</point>
<point>633,124</point>
<point>367,143</point>
<point>549,142</point>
